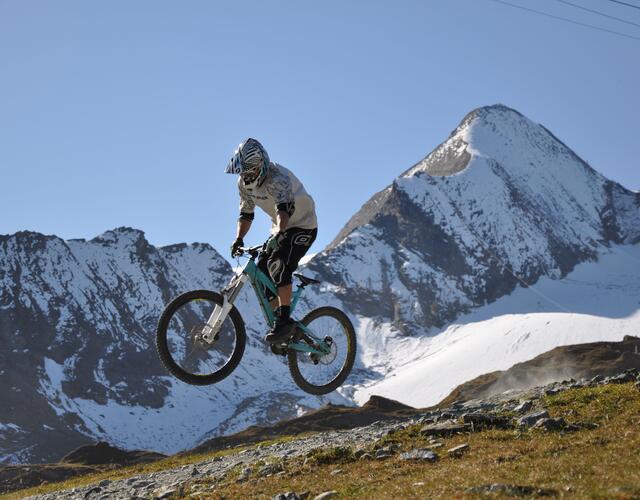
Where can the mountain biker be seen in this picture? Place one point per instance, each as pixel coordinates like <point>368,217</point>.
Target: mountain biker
<point>278,192</point>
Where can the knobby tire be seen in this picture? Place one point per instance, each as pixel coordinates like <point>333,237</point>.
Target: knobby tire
<point>163,349</point>
<point>338,380</point>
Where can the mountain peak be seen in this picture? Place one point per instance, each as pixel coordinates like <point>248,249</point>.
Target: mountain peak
<point>502,201</point>
<point>120,235</point>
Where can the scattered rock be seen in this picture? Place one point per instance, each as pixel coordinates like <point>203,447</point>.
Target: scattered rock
<point>359,453</point>
<point>335,472</point>
<point>422,454</point>
<point>141,483</point>
<point>550,424</point>
<point>512,490</point>
<point>458,451</point>
<point>485,420</point>
<point>444,429</point>
<point>165,492</point>
<point>382,454</point>
<point>270,469</point>
<point>531,418</point>
<point>326,494</point>
<point>588,425</point>
<point>290,495</point>
<point>445,415</point>
<point>623,378</point>
<point>244,475</point>
<point>93,491</point>
<point>366,456</point>
<point>104,483</point>
<point>524,406</point>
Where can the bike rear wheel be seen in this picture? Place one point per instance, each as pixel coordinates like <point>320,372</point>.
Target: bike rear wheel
<point>322,374</point>
<point>181,347</point>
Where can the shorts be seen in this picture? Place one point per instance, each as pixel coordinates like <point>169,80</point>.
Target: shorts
<point>280,264</point>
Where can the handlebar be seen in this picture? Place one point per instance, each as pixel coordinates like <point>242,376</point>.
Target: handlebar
<point>252,251</point>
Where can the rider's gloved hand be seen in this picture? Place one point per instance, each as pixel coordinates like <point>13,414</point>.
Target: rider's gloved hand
<point>235,247</point>
<point>272,243</point>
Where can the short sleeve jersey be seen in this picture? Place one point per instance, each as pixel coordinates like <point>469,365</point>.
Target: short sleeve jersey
<point>280,187</point>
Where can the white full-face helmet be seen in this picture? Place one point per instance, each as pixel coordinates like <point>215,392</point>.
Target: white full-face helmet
<point>250,161</point>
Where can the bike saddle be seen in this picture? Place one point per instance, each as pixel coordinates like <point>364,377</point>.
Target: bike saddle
<point>305,281</point>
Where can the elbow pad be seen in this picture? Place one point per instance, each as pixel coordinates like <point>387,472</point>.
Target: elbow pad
<point>289,208</point>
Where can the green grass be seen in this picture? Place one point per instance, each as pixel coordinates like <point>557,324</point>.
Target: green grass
<point>599,462</point>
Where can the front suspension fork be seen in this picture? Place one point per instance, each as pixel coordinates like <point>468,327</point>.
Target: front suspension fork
<point>220,312</point>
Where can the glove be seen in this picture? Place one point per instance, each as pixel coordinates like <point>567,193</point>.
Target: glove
<point>235,247</point>
<point>272,243</point>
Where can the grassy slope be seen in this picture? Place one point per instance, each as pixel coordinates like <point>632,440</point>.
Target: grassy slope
<point>603,462</point>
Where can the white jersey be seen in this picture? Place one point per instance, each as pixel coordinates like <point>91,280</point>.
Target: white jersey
<point>281,190</point>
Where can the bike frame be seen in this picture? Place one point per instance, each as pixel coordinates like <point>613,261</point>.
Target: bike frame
<point>259,281</point>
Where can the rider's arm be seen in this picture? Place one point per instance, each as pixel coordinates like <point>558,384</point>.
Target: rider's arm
<point>282,220</point>
<point>280,189</point>
<point>247,206</point>
<point>243,228</point>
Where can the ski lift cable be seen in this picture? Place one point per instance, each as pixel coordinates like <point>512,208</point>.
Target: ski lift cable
<point>598,13</point>
<point>625,3</point>
<point>566,19</point>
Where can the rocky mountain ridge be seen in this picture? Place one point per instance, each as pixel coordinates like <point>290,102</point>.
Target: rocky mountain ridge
<point>78,321</point>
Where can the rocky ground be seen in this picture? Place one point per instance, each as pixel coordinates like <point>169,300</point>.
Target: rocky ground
<point>512,410</point>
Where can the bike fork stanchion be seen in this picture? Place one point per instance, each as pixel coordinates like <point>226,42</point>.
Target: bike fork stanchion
<point>220,313</point>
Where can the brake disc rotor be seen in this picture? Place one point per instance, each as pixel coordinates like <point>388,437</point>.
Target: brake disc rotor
<point>328,358</point>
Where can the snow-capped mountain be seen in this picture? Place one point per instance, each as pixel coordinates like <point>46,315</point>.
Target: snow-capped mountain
<point>597,301</point>
<point>473,249</point>
<point>499,204</point>
<point>78,360</point>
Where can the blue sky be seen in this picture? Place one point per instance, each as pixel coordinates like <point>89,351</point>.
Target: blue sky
<point>125,113</point>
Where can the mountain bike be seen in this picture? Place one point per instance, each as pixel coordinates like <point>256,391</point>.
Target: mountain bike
<point>201,335</point>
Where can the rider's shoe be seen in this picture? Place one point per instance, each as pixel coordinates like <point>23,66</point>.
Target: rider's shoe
<point>281,332</point>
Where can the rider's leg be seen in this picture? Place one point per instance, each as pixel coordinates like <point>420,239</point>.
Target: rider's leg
<point>274,300</point>
<point>281,265</point>
<point>284,295</point>
<point>284,302</point>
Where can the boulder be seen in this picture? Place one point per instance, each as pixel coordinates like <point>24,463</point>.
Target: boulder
<point>531,418</point>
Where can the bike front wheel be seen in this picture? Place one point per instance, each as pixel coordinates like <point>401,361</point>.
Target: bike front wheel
<point>182,348</point>
<point>322,374</point>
